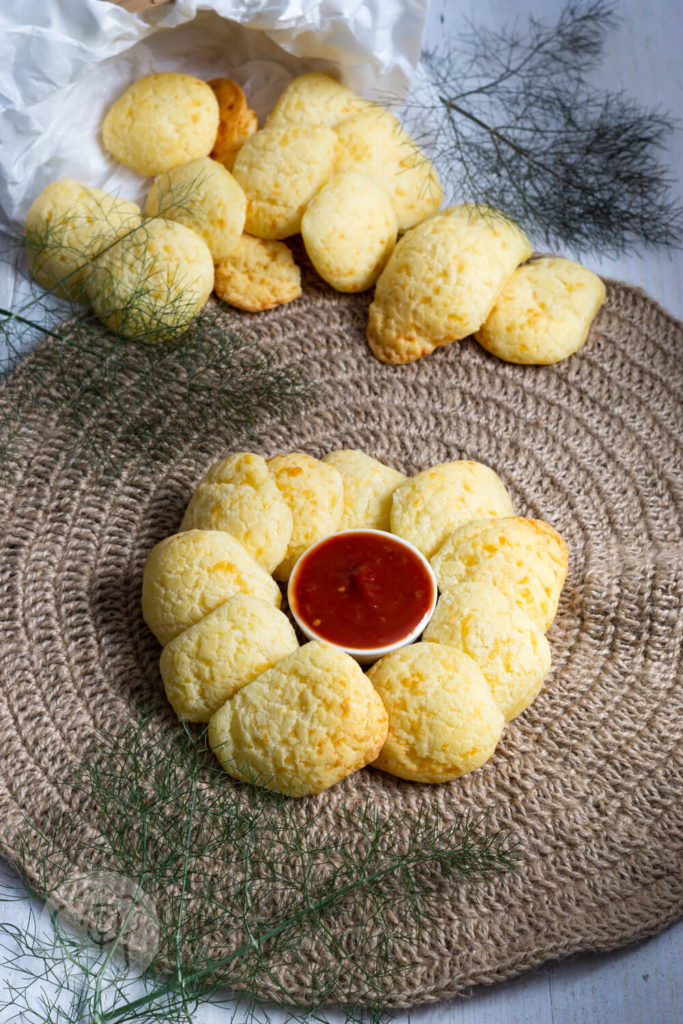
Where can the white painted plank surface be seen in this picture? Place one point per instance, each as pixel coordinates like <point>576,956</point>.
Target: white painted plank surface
<point>640,984</point>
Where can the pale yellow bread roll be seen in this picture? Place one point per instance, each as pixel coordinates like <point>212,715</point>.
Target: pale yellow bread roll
<point>66,227</point>
<point>374,143</point>
<point>280,170</point>
<point>315,493</point>
<point>525,558</point>
<point>189,574</point>
<point>442,280</point>
<point>314,99</point>
<point>443,720</point>
<point>258,275</point>
<point>511,650</point>
<point>236,121</point>
<point>203,196</point>
<point>349,229</point>
<point>369,486</point>
<point>161,121</point>
<point>208,663</point>
<point>429,506</point>
<point>303,725</point>
<point>151,284</point>
<point>238,495</point>
<point>543,312</point>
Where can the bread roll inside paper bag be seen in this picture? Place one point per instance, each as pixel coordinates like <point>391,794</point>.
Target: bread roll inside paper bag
<point>63,65</point>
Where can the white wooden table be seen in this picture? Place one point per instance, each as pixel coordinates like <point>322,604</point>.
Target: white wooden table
<point>640,984</point>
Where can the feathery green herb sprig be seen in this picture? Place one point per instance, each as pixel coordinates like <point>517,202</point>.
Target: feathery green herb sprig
<point>249,889</point>
<point>517,125</point>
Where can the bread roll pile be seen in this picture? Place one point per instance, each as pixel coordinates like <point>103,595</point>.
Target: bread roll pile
<point>338,170</point>
<point>298,719</point>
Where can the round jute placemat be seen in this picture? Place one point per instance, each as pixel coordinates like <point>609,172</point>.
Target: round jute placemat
<point>587,780</point>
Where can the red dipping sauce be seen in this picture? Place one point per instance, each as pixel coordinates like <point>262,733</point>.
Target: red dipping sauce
<point>362,590</point>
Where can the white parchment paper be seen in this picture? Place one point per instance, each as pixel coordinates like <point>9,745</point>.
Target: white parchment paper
<point>63,62</point>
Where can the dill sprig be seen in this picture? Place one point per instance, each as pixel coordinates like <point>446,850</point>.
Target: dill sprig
<point>249,890</point>
<point>517,124</point>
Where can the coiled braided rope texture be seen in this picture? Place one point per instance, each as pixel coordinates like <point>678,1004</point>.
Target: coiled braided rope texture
<point>587,780</point>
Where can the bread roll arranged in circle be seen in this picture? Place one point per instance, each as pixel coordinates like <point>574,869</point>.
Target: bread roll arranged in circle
<point>189,574</point>
<point>315,493</point>
<point>303,725</point>
<point>66,227</point>
<point>203,196</point>
<point>239,495</point>
<point>151,284</point>
<point>258,275</point>
<point>509,648</point>
<point>374,143</point>
<point>429,506</point>
<point>525,558</point>
<point>280,170</point>
<point>349,229</point>
<point>209,662</point>
<point>314,99</point>
<point>369,486</point>
<point>442,281</point>
<point>543,312</point>
<point>443,720</point>
<point>161,121</point>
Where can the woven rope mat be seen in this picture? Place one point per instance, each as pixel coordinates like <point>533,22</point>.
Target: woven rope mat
<point>587,780</point>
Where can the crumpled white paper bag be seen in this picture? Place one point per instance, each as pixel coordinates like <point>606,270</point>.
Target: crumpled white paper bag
<point>63,64</point>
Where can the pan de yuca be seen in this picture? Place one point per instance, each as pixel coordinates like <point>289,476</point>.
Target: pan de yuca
<point>236,121</point>
<point>258,275</point>
<point>369,486</point>
<point>303,725</point>
<point>525,558</point>
<point>429,506</point>
<point>203,196</point>
<point>239,495</point>
<point>189,574</point>
<point>314,99</point>
<point>161,121</point>
<point>443,720</point>
<point>152,283</point>
<point>209,662</point>
<point>349,229</point>
<point>543,312</point>
<point>442,280</point>
<point>66,227</point>
<point>315,493</point>
<point>511,650</point>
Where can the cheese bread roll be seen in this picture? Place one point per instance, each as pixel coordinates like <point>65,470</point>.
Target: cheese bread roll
<point>375,144</point>
<point>429,506</point>
<point>236,121</point>
<point>315,493</point>
<point>443,720</point>
<point>511,650</point>
<point>238,495</point>
<point>66,227</point>
<point>543,312</point>
<point>209,662</point>
<point>258,275</point>
<point>203,196</point>
<point>303,725</point>
<point>442,280</point>
<point>525,558</point>
<point>280,170</point>
<point>369,486</point>
<point>189,574</point>
<point>151,284</point>
<point>349,229</point>
<point>314,99</point>
<point>161,121</point>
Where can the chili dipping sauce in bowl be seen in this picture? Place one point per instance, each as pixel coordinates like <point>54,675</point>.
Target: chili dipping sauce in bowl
<point>366,591</point>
